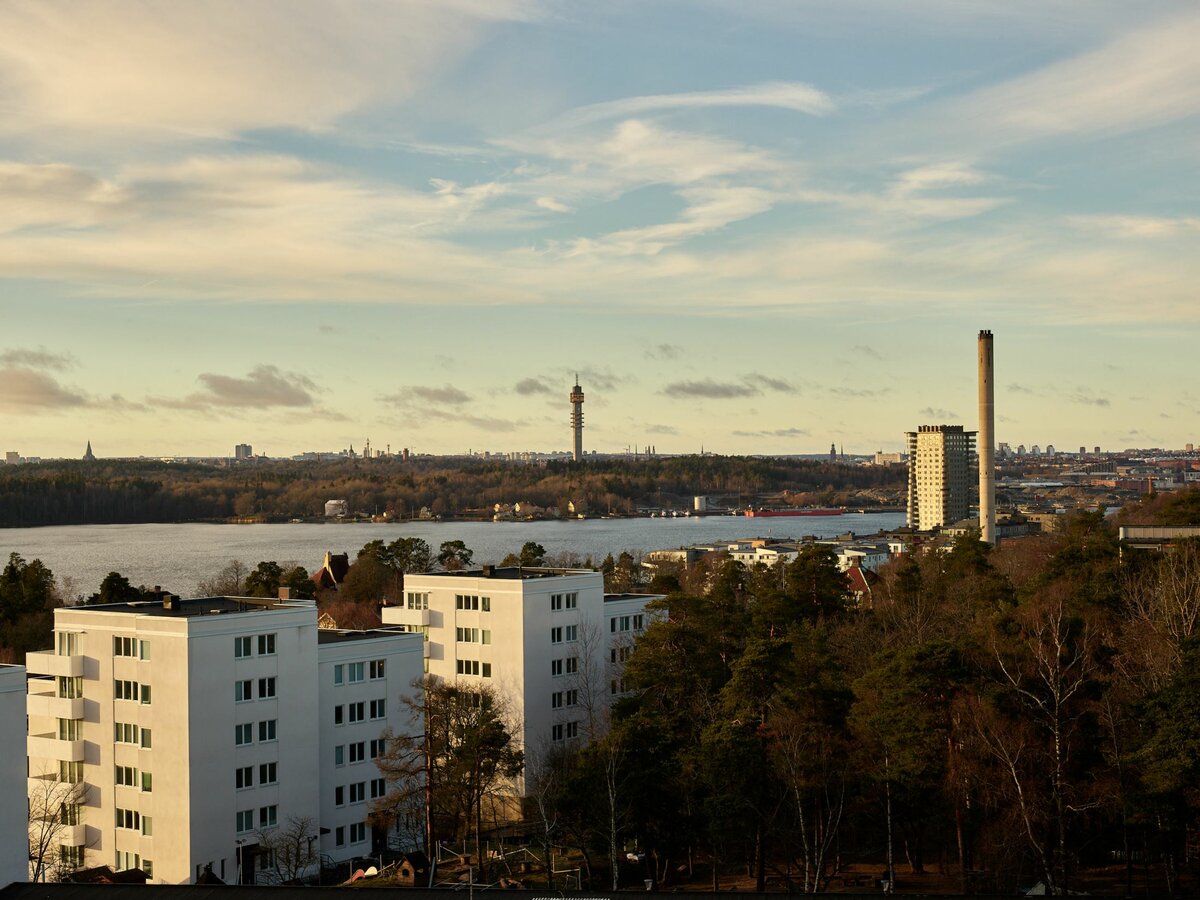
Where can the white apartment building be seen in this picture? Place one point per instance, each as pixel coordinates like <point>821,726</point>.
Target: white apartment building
<point>547,640</point>
<point>939,475</point>
<point>14,860</point>
<point>195,731</point>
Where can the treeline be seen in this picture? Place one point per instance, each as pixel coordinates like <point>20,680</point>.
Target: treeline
<point>1010,716</point>
<point>122,492</point>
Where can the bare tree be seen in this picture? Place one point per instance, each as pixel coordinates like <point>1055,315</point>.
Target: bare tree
<point>590,680</point>
<point>1164,611</point>
<point>229,582</point>
<point>293,847</point>
<point>543,781</point>
<point>54,806</point>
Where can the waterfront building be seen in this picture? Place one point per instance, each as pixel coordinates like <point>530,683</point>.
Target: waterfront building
<point>189,735</point>
<point>14,824</point>
<point>550,643</point>
<point>939,475</point>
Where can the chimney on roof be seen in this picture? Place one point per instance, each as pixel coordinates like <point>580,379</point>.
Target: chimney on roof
<point>170,602</point>
<point>489,570</point>
<point>285,593</point>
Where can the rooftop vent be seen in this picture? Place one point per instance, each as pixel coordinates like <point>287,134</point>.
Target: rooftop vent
<point>489,571</point>
<point>170,602</point>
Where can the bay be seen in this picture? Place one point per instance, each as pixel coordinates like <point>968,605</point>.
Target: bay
<point>178,557</point>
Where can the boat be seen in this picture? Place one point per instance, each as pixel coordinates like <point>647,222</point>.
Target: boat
<point>811,511</point>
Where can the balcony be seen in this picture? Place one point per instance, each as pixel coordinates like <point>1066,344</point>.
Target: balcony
<point>48,746</point>
<point>73,835</point>
<point>48,662</point>
<point>49,706</point>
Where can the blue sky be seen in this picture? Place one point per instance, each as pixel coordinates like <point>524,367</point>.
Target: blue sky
<point>760,227</point>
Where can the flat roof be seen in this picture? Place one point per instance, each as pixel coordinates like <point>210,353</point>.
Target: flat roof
<point>633,596</point>
<point>510,573</point>
<point>195,606</point>
<point>346,635</point>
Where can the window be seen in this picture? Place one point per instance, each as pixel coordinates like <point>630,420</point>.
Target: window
<point>572,698</point>
<point>358,832</point>
<point>486,670</point>
<point>244,778</point>
<point>339,796</point>
<point>125,646</point>
<point>418,600</point>
<point>243,691</point>
<point>571,633</point>
<point>337,674</point>
<point>266,688</point>
<point>572,729</point>
<point>377,748</point>
<point>243,734</point>
<point>70,729</point>
<point>145,739</point>
<point>556,635</point>
<point>638,622</point>
<point>125,733</point>
<point>68,813</point>
<point>357,752</point>
<point>125,690</point>
<point>572,664</point>
<point>378,788</point>
<point>469,601</point>
<point>358,792</point>
<point>466,635</point>
<point>71,856</point>
<point>339,836</point>
<point>339,755</point>
<point>339,712</point>
<point>145,695</point>
<point>70,772</point>
<point>67,643</point>
<point>619,623</point>
<point>245,820</point>
<point>147,826</point>
<point>241,647</point>
<point>357,711</point>
<point>564,601</point>
<point>376,669</point>
<point>127,860</point>
<point>617,686</point>
<point>148,867</point>
<point>147,782</point>
<point>266,645</point>
<point>556,667</point>
<point>556,732</point>
<point>126,776</point>
<point>70,687</point>
<point>556,700</point>
<point>354,672</point>
<point>378,709</point>
<point>266,730</point>
<point>143,649</point>
<point>268,773</point>
<point>467,667</point>
<point>128,818</point>
<point>268,816</point>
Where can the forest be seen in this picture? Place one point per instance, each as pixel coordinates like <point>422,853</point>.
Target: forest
<point>74,492</point>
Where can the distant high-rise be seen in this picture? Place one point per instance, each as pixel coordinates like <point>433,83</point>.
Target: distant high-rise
<point>987,441</point>
<point>577,420</point>
<point>833,453</point>
<point>88,456</point>
<point>243,451</point>
<point>939,475</point>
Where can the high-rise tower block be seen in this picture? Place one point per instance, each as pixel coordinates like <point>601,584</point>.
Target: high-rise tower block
<point>577,420</point>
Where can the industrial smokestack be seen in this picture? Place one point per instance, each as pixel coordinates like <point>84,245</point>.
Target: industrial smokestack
<point>987,441</point>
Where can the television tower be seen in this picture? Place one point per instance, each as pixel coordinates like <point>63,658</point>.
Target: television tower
<point>987,441</point>
<point>577,419</point>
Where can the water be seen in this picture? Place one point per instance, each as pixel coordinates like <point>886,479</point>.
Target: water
<point>178,557</point>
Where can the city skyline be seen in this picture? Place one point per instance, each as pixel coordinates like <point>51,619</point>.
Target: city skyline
<point>753,230</point>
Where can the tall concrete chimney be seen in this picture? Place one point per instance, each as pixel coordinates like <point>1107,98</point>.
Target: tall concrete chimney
<point>577,420</point>
<point>987,441</point>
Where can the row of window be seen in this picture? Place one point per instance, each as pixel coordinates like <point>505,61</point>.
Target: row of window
<point>131,647</point>
<point>626,623</point>
<point>268,817</point>
<point>244,690</point>
<point>242,646</point>
<point>473,667</point>
<point>559,699</point>
<point>243,734</point>
<point>358,834</point>
<point>126,859</point>
<point>560,634</point>
<point>473,602</point>
<point>70,687</point>
<point>133,820</point>
<point>129,733</point>
<point>268,773</point>
<point>472,635</point>
<point>354,673</point>
<point>357,712</point>
<point>619,654</point>
<point>564,731</point>
<point>418,600</point>
<point>70,772</point>
<point>567,666</point>
<point>131,690</point>
<point>128,776</point>
<point>564,601</point>
<point>357,791</point>
<point>358,751</point>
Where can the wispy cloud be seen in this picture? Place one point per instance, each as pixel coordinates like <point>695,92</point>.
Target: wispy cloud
<point>41,358</point>
<point>664,352</point>
<point>1140,227</point>
<point>777,432</point>
<point>419,393</point>
<point>1088,398</point>
<point>869,352</point>
<point>709,390</point>
<point>527,387</point>
<point>24,390</point>
<point>264,387</point>
<point>932,412</point>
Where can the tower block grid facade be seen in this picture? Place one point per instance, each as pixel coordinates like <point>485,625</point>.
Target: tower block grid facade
<point>939,475</point>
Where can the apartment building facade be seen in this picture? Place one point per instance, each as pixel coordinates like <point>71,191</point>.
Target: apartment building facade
<point>939,475</point>
<point>548,641</point>
<point>14,861</point>
<point>192,733</point>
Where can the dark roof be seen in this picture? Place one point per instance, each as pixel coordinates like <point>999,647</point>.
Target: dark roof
<point>340,635</point>
<point>196,606</point>
<point>514,573</point>
<point>631,596</point>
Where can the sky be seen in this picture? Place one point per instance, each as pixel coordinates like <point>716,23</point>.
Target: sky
<point>756,226</point>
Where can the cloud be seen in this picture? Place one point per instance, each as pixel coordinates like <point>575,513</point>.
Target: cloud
<point>767,381</point>
<point>869,352</point>
<point>40,358</point>
<point>447,394</point>
<point>790,95</point>
<point>778,432</point>
<point>1138,227</point>
<point>264,387</point>
<point>527,387</point>
<point>660,429</point>
<point>1087,398</point>
<point>709,390</point>
<point>1015,388</point>
<point>857,393</point>
<point>664,352</point>
<point>552,205</point>
<point>931,412</point>
<point>327,329</point>
<point>24,390</point>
